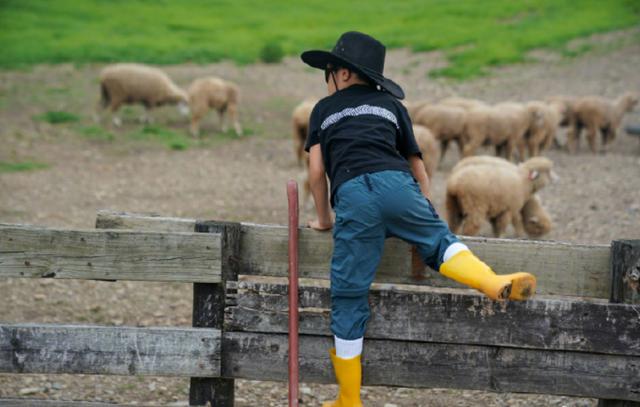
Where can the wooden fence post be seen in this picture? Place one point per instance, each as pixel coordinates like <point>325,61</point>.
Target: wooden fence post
<point>208,311</point>
<point>625,289</point>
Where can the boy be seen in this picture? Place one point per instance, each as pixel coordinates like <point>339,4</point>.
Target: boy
<point>361,137</point>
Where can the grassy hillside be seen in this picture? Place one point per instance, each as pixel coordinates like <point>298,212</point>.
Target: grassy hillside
<point>473,33</point>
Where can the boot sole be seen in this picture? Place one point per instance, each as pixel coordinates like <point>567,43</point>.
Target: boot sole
<point>523,287</point>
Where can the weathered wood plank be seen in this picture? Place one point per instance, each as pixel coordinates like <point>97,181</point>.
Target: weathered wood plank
<point>450,316</point>
<point>107,219</point>
<point>561,268</point>
<point>41,348</point>
<point>419,364</point>
<point>208,311</point>
<point>36,252</point>
<point>625,269</point>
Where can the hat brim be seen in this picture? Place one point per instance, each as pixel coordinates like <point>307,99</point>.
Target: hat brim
<point>320,59</point>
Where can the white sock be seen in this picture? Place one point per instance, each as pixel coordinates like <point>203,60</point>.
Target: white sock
<point>454,249</point>
<point>346,349</point>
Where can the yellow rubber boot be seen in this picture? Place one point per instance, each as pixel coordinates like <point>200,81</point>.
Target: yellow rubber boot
<point>467,269</point>
<point>349,376</point>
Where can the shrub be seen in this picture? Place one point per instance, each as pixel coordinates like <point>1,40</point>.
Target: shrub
<point>271,53</point>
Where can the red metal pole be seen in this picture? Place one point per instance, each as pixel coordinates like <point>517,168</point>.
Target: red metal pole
<point>292,195</point>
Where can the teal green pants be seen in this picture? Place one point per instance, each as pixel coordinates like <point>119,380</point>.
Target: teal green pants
<point>369,209</point>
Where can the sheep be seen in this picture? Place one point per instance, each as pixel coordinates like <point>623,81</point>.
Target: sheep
<point>503,126</point>
<point>414,107</point>
<point>494,189</point>
<point>135,83</point>
<point>541,132</point>
<point>429,147</point>
<point>464,103</point>
<point>447,123</point>
<point>300,123</point>
<point>597,113</point>
<point>214,93</point>
<point>535,219</point>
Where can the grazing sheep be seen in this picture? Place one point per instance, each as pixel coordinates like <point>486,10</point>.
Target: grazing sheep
<point>300,123</point>
<point>493,190</point>
<point>541,132</point>
<point>447,123</point>
<point>135,83</point>
<point>429,147</point>
<point>213,93</point>
<point>503,126</point>
<point>597,113</point>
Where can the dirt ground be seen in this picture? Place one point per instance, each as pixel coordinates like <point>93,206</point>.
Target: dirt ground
<point>596,200</point>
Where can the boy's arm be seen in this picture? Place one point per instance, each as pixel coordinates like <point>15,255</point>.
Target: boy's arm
<point>319,189</point>
<point>420,174</point>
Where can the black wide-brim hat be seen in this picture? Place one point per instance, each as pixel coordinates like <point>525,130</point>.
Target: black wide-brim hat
<point>360,53</point>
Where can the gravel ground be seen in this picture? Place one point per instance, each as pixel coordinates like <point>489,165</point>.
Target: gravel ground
<point>596,199</point>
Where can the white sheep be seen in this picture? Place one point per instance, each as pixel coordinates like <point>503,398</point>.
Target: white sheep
<point>139,84</point>
<point>541,132</point>
<point>213,93</point>
<point>447,123</point>
<point>503,126</point>
<point>596,113</point>
<point>429,147</point>
<point>300,126</point>
<point>493,189</point>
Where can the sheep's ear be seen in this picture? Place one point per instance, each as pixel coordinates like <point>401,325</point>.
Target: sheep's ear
<point>533,174</point>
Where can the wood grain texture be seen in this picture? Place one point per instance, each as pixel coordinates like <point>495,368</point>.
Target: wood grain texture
<point>561,268</point>
<point>418,364</point>
<point>450,316</point>
<point>38,252</point>
<point>107,219</point>
<point>41,348</point>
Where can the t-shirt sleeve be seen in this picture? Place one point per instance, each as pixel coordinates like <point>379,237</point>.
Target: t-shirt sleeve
<point>405,140</point>
<point>313,137</point>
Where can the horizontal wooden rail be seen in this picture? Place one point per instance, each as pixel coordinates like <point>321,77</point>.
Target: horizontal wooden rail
<point>41,348</point>
<point>561,268</point>
<point>37,252</point>
<point>449,316</point>
<point>259,356</point>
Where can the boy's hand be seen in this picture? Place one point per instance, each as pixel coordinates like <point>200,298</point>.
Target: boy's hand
<point>315,224</point>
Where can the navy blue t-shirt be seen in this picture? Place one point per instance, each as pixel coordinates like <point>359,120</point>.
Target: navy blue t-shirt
<point>361,130</point>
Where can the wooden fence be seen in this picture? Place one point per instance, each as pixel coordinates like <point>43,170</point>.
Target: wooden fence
<point>580,336</point>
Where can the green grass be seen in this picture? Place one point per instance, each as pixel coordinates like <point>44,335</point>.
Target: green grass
<point>474,34</point>
<point>56,117</point>
<point>21,166</point>
<point>170,138</point>
<point>96,133</point>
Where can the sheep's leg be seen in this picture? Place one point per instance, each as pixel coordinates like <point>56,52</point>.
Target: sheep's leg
<point>195,123</point>
<point>470,147</point>
<point>472,224</point>
<point>500,223</point>
<point>444,145</point>
<point>508,149</point>
<point>223,122</point>
<point>521,150</point>
<point>146,118</point>
<point>232,111</point>
<point>516,219</point>
<point>573,136</point>
<point>534,147</point>
<point>608,135</point>
<point>592,134</point>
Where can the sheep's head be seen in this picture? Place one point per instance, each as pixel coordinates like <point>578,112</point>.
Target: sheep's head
<point>535,219</point>
<point>539,171</point>
<point>630,100</point>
